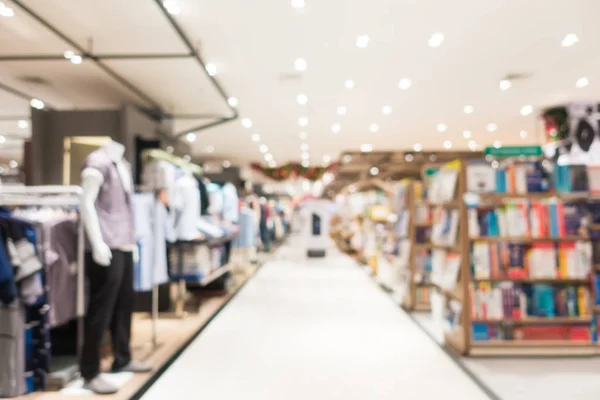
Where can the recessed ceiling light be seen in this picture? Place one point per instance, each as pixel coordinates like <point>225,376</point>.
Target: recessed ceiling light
<point>467,134</point>
<point>505,84</point>
<point>409,157</point>
<point>336,128</point>
<point>347,158</point>
<point>341,110</point>
<point>582,82</point>
<point>13,164</point>
<point>298,3</point>
<point>191,137</point>
<point>526,110</point>
<point>405,83</point>
<point>268,157</point>
<point>447,144</point>
<point>492,127</point>
<point>373,128</point>
<point>302,99</point>
<point>272,164</point>
<point>374,171</point>
<point>523,134</point>
<point>247,123</point>
<point>366,147</point>
<point>67,54</point>
<point>255,137</point>
<point>362,41</point>
<point>226,164</point>
<point>349,84</point>
<point>233,101</point>
<point>326,158</point>
<point>6,11</point>
<point>37,104</point>
<point>303,135</point>
<point>436,39</point>
<point>418,147</point>
<point>304,147</point>
<point>76,59</point>
<point>468,109</point>
<point>442,127</point>
<point>386,110</point>
<point>497,144</point>
<point>211,69</point>
<point>305,163</point>
<point>300,64</point>
<point>2,139</point>
<point>305,156</point>
<point>263,148</point>
<point>472,145</point>
<point>209,149</point>
<point>22,124</point>
<point>172,7</point>
<point>569,40</point>
<point>303,121</point>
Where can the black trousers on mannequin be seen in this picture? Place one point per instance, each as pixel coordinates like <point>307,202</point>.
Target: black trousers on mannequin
<point>110,307</point>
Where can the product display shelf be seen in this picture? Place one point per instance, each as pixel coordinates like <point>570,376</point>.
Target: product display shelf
<point>406,209</point>
<point>567,294</point>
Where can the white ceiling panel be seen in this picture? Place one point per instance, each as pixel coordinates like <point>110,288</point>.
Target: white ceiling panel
<point>115,26</point>
<point>180,84</point>
<point>66,86</point>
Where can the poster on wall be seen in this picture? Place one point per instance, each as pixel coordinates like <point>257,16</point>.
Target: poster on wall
<point>573,133</point>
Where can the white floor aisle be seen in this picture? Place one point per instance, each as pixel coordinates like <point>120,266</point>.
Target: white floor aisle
<point>313,329</point>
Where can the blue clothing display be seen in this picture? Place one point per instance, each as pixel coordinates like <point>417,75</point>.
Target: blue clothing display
<point>247,235</point>
<point>153,229</point>
<point>230,203</point>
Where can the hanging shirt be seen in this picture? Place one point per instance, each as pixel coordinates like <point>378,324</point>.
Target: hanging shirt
<point>152,231</point>
<point>187,208</point>
<point>230,203</point>
<point>247,234</point>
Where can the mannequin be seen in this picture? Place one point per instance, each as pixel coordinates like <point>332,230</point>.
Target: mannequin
<point>106,209</point>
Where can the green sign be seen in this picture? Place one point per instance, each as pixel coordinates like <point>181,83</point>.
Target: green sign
<point>431,171</point>
<point>514,151</point>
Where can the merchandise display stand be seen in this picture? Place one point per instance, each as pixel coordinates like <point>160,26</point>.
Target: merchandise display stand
<point>508,301</point>
<point>178,250</point>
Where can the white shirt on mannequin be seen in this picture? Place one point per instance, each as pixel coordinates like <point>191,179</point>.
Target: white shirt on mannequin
<point>91,182</point>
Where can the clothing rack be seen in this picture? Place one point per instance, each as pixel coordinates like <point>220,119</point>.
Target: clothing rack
<point>150,187</point>
<point>55,196</point>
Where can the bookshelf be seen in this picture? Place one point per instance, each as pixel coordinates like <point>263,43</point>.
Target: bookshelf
<point>525,285</point>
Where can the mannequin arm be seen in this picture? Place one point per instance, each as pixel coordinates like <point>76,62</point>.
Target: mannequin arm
<point>91,181</point>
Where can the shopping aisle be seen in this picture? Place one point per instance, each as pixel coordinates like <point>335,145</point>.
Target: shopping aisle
<point>313,329</point>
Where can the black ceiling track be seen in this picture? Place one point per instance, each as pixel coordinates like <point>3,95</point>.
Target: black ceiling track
<point>97,59</point>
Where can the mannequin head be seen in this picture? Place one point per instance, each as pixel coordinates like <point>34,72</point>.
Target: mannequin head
<point>115,150</point>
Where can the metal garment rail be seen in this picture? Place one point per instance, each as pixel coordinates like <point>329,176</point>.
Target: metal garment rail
<point>56,196</point>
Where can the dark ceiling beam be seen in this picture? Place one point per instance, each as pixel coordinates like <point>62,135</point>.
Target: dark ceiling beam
<point>84,53</point>
<point>96,57</point>
<point>213,80</point>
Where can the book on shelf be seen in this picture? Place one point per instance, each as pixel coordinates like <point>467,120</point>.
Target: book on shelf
<point>445,268</point>
<point>544,260</point>
<point>543,219</point>
<point>444,183</point>
<point>520,302</point>
<point>509,331</point>
<point>445,227</point>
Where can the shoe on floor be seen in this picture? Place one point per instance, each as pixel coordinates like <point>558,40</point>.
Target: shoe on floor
<point>137,367</point>
<point>101,386</point>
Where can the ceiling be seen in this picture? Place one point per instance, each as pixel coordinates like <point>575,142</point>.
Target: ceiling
<point>254,45</point>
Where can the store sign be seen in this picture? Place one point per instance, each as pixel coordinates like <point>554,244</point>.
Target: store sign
<point>514,151</point>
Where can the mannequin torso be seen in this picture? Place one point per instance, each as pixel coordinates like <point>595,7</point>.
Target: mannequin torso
<point>92,180</point>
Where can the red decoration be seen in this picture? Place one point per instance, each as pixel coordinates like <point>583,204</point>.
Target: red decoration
<point>293,170</point>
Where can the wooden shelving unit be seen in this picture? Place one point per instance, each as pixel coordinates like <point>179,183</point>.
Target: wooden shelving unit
<point>459,339</point>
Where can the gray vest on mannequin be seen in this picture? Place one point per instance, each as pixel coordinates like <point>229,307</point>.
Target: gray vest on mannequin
<point>114,203</point>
